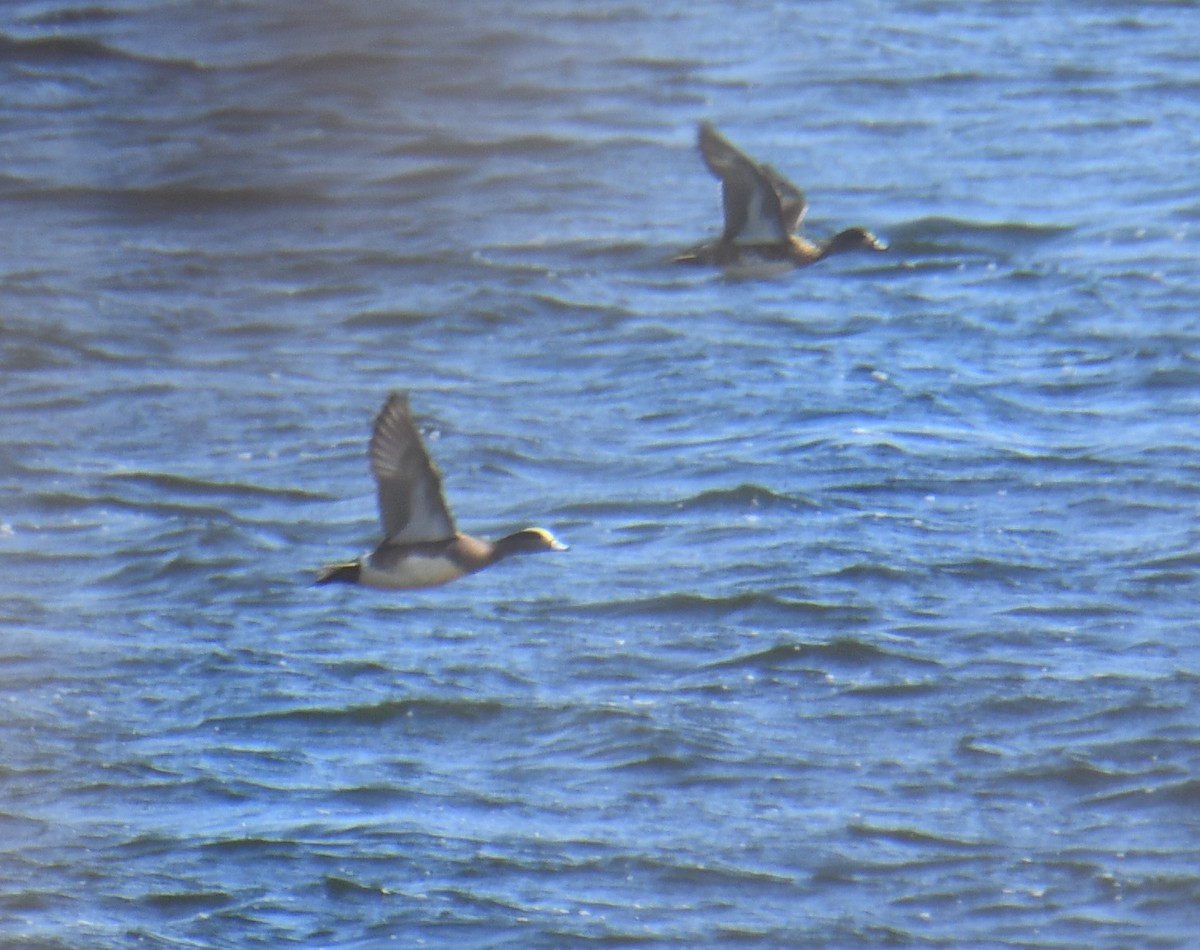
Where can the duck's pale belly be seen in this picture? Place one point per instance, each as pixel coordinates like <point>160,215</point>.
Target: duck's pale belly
<point>413,571</point>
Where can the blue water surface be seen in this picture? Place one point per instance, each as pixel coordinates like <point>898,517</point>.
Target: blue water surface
<point>878,623</point>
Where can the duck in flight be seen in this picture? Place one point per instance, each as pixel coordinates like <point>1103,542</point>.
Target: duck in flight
<point>421,546</point>
<point>762,212</point>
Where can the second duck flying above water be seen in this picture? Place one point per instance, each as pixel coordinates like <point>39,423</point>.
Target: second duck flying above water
<point>762,212</point>
<point>421,546</point>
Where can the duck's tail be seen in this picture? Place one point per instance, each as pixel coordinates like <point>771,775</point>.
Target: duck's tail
<point>347,573</point>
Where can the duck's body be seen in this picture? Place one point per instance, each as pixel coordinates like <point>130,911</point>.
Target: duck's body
<point>421,547</point>
<point>793,250</point>
<point>762,212</point>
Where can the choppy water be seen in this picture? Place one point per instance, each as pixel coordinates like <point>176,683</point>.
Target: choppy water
<point>879,623</point>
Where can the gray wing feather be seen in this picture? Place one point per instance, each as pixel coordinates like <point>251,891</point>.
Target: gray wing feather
<point>754,212</point>
<point>792,202</point>
<point>411,505</point>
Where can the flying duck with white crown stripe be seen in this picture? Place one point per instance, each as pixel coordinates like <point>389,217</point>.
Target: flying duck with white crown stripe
<point>421,546</point>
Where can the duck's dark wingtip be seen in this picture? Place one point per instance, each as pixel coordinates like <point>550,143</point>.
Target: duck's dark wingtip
<point>707,132</point>
<point>397,396</point>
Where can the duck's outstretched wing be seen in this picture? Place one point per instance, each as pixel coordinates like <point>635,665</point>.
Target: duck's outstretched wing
<point>753,210</point>
<point>792,203</point>
<point>411,505</point>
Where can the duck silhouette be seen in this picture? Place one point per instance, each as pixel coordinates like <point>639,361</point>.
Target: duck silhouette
<point>421,545</point>
<point>763,210</point>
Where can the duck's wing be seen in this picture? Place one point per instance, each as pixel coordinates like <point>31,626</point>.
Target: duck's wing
<point>753,213</point>
<point>792,203</point>
<point>411,505</point>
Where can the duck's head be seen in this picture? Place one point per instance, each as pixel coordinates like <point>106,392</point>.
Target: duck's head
<point>528,541</point>
<point>854,239</point>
